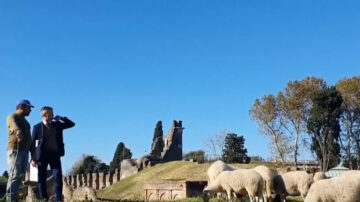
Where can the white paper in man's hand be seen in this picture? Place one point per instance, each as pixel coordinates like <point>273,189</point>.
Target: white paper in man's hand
<point>33,173</point>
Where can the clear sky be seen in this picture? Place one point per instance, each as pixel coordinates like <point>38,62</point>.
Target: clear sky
<point>117,67</point>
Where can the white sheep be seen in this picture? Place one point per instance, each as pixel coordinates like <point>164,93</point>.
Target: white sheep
<point>351,173</point>
<point>216,168</point>
<point>237,182</point>
<point>268,177</point>
<point>344,188</point>
<point>319,176</point>
<point>292,183</point>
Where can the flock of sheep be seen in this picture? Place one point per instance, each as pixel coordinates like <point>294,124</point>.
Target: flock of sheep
<point>262,184</point>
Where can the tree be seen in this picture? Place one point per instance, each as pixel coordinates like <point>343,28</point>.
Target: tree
<point>88,164</point>
<point>324,127</point>
<point>350,119</point>
<point>293,103</point>
<point>267,114</point>
<point>198,156</point>
<point>120,154</point>
<point>5,174</point>
<point>234,150</point>
<point>257,159</point>
<point>214,145</point>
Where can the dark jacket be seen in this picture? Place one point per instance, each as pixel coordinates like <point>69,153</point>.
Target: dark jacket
<point>37,134</point>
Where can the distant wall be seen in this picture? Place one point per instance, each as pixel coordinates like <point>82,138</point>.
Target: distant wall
<point>93,180</point>
<point>173,190</point>
<point>173,143</point>
<point>310,167</point>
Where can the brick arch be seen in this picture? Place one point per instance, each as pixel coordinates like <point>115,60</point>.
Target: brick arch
<point>163,196</point>
<point>152,195</point>
<point>176,197</point>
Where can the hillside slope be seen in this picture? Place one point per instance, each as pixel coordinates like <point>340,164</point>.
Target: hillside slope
<point>132,187</point>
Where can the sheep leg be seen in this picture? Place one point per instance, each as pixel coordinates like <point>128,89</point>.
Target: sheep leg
<point>264,198</point>
<point>303,196</point>
<point>228,192</point>
<point>251,198</point>
<point>260,199</point>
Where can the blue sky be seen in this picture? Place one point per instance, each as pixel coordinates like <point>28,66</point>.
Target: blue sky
<point>117,67</point>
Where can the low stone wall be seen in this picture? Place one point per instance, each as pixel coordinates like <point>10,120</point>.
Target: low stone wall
<point>173,190</point>
<point>93,180</point>
<point>310,167</point>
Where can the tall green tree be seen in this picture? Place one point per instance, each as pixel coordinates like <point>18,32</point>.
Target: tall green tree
<point>120,154</point>
<point>234,149</point>
<point>88,164</point>
<point>5,174</point>
<point>350,119</point>
<point>324,127</point>
<point>294,102</point>
<point>198,156</point>
<point>266,113</point>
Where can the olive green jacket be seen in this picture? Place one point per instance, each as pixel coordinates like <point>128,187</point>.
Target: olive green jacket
<point>17,124</point>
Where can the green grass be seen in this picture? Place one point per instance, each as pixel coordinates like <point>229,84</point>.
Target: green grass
<point>294,199</point>
<point>132,187</point>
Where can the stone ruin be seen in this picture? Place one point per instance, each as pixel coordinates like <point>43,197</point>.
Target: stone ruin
<point>164,149</point>
<point>75,188</point>
<point>171,149</point>
<point>170,190</point>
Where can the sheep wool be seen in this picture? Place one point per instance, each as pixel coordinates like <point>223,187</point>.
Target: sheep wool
<point>216,168</point>
<point>237,182</point>
<point>268,177</point>
<point>344,188</point>
<point>293,183</point>
<point>319,176</point>
<point>351,173</point>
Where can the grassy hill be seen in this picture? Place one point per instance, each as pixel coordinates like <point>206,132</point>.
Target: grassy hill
<point>132,187</point>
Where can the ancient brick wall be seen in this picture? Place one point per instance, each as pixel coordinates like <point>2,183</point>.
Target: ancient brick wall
<point>173,190</point>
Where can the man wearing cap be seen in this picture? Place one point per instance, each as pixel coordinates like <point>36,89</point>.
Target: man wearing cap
<point>49,149</point>
<point>19,145</point>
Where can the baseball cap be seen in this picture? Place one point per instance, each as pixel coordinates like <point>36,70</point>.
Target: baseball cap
<point>25,102</point>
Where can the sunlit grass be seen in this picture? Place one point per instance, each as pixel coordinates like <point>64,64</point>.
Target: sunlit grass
<point>132,187</point>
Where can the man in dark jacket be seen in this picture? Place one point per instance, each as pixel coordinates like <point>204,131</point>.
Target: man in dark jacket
<point>47,137</point>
